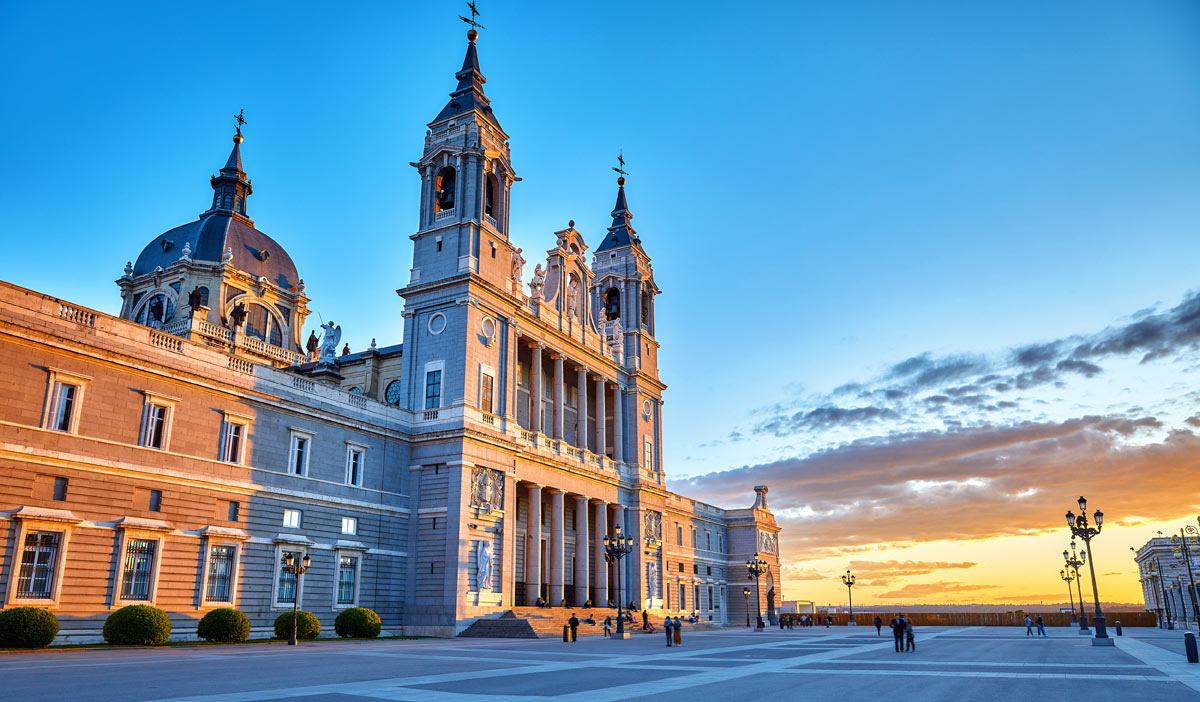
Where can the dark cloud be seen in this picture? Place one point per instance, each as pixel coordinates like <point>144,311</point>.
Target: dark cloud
<point>1154,335</point>
<point>825,417</point>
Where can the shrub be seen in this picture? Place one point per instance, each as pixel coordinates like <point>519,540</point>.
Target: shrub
<point>224,624</point>
<point>358,622</point>
<point>307,625</point>
<point>137,625</point>
<point>27,627</point>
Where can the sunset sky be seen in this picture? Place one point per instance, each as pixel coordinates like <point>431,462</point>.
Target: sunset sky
<point>930,271</point>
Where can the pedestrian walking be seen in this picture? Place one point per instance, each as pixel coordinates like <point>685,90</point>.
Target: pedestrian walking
<point>1028,626</point>
<point>1041,624</point>
<point>608,626</point>
<point>669,628</point>
<point>898,627</point>
<point>878,626</point>
<point>910,639</point>
<point>573,622</point>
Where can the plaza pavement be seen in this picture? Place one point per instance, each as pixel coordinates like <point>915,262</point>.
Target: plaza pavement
<point>951,663</point>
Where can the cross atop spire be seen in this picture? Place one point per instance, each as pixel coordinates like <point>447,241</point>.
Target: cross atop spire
<point>620,167</point>
<point>474,25</point>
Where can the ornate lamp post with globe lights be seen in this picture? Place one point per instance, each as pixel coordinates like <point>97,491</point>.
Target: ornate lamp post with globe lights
<point>1184,545</point>
<point>1069,578</point>
<point>298,569</point>
<point>1073,562</point>
<point>756,567</point>
<point>615,548</point>
<point>746,594</point>
<point>848,580</point>
<point>1080,527</point>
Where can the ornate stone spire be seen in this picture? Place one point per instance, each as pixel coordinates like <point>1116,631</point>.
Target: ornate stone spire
<point>621,233</point>
<point>469,96</point>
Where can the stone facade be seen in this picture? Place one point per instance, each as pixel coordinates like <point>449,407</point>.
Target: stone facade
<point>1163,573</point>
<point>174,458</point>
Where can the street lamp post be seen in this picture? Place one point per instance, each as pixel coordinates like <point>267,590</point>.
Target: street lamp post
<point>848,580</point>
<point>746,594</point>
<point>1080,527</point>
<point>1073,562</point>
<point>1068,578</point>
<point>615,548</point>
<point>1184,551</point>
<point>756,567</point>
<point>298,569</point>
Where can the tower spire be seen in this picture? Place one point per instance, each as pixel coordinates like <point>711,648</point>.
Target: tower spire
<point>468,96</point>
<point>232,187</point>
<point>621,233</point>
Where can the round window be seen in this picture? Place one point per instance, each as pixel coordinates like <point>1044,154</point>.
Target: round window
<point>355,391</point>
<point>488,327</point>
<point>437,323</point>
<point>393,393</point>
<point>646,407</point>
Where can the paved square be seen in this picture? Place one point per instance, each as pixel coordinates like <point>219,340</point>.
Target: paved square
<point>950,663</point>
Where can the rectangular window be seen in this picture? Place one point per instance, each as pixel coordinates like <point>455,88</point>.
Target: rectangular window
<point>298,462</point>
<point>349,525</point>
<point>712,603</point>
<point>39,559</point>
<point>720,543</point>
<point>155,500</point>
<point>231,445</point>
<point>433,389</point>
<point>708,570</point>
<point>696,603</point>
<point>347,577</point>
<point>695,569</point>
<point>694,539</point>
<point>220,574</point>
<point>648,454</point>
<point>681,567</point>
<point>154,434</point>
<point>286,593</point>
<point>485,393</point>
<point>235,509</point>
<point>678,535</point>
<point>682,596</point>
<point>354,465</point>
<point>139,569</point>
<point>708,540</point>
<point>62,407</point>
<point>291,518</point>
<point>60,489</point>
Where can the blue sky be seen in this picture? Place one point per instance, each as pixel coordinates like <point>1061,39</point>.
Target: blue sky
<point>827,189</point>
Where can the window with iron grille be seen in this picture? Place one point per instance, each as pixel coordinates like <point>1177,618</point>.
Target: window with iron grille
<point>286,592</point>
<point>139,569</point>
<point>38,560</point>
<point>220,574</point>
<point>347,576</point>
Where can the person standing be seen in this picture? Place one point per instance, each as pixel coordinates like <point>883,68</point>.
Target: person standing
<point>909,637</point>
<point>573,622</point>
<point>645,620</point>
<point>878,626</point>
<point>678,631</point>
<point>1041,625</point>
<point>608,626</point>
<point>669,627</point>
<point>898,626</point>
<point>1028,626</point>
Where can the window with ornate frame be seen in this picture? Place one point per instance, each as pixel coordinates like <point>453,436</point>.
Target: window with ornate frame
<point>158,411</point>
<point>235,430</point>
<point>222,558</point>
<point>64,399</point>
<point>286,587</point>
<point>39,546</point>
<point>139,558</point>
<point>299,450</point>
<point>347,578</point>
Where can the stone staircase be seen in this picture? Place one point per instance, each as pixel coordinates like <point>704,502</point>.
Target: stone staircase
<point>548,623</point>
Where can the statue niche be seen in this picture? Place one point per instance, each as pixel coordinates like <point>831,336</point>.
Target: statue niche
<point>444,197</point>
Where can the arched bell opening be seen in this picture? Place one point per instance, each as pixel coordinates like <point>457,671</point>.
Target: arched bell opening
<point>443,197</point>
<point>612,303</point>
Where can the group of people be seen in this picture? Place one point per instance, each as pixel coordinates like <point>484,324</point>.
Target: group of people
<point>791,621</point>
<point>902,631</point>
<point>1041,625</point>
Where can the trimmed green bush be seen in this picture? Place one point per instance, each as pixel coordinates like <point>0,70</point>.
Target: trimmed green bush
<point>358,622</point>
<point>224,624</point>
<point>27,627</point>
<point>137,625</point>
<point>307,625</point>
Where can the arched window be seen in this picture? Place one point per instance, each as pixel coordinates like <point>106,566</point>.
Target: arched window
<point>612,303</point>
<point>262,325</point>
<point>157,310</point>
<point>443,197</point>
<point>356,390</point>
<point>490,190</point>
<point>646,309</point>
<point>203,296</point>
<point>393,393</point>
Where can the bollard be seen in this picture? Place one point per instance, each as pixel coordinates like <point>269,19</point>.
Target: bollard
<point>566,634</point>
<point>1118,625</point>
<point>1189,647</point>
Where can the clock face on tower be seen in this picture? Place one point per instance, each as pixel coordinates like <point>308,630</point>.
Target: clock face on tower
<point>393,392</point>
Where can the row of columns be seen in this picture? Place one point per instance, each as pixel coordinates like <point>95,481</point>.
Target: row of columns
<point>589,547</point>
<point>557,429</point>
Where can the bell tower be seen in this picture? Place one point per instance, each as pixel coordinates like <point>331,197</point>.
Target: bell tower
<point>466,174</point>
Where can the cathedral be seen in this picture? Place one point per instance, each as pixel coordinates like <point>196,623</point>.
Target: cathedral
<point>178,453</point>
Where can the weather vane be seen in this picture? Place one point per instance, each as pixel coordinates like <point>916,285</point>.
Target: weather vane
<point>241,120</point>
<point>474,14</point>
<point>620,168</point>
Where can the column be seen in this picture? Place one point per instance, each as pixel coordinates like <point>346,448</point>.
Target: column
<point>581,550</point>
<point>600,529</point>
<point>535,392</point>
<point>618,421</point>
<point>581,433</point>
<point>556,548</point>
<point>619,521</point>
<point>514,376</point>
<point>533,546</point>
<point>601,420</point>
<point>426,197</point>
<point>558,397</point>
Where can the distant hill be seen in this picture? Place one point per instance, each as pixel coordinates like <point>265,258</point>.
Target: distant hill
<point>1027,607</point>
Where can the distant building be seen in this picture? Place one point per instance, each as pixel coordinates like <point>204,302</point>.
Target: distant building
<point>175,454</point>
<point>1163,573</point>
